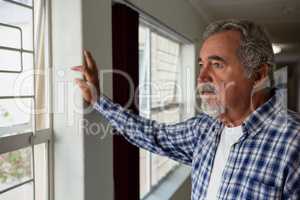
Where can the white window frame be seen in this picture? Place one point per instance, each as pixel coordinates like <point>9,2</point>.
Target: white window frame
<point>45,136</point>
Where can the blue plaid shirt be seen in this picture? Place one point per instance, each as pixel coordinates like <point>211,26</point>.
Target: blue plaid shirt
<point>263,165</point>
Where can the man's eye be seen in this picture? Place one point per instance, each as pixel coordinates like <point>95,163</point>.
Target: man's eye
<point>217,65</point>
<point>200,64</point>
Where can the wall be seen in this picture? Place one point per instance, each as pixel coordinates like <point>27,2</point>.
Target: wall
<point>294,86</point>
<point>68,145</point>
<point>96,21</point>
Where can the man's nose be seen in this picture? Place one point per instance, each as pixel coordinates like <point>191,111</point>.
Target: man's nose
<point>204,75</point>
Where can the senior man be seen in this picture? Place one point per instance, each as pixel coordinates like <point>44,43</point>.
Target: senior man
<point>244,144</point>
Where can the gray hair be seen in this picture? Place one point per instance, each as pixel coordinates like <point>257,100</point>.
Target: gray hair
<point>255,46</point>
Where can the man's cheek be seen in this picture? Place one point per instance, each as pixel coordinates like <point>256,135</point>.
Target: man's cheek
<point>227,91</point>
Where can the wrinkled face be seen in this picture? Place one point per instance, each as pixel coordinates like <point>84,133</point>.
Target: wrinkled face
<point>222,81</point>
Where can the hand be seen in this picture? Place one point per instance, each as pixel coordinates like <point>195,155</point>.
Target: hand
<point>89,85</point>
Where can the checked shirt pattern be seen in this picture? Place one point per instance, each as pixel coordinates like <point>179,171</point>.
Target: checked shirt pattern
<point>263,165</point>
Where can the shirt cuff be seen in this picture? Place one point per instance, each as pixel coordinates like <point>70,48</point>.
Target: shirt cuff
<point>102,104</point>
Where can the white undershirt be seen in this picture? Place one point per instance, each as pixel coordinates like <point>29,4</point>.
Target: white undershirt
<point>229,136</point>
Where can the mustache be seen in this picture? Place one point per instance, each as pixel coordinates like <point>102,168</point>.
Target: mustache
<point>207,88</point>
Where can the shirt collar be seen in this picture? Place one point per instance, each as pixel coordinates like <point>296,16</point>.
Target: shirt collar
<point>263,115</point>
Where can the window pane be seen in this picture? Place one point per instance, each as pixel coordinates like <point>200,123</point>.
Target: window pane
<point>15,167</point>
<point>144,104</point>
<point>24,192</point>
<point>15,112</point>
<point>10,60</point>
<point>144,172</point>
<point>144,71</point>
<point>10,37</point>
<point>20,84</point>
<point>21,17</point>
<point>168,115</point>
<point>161,166</point>
<point>164,71</point>
<point>159,88</point>
<point>26,2</point>
<point>142,37</point>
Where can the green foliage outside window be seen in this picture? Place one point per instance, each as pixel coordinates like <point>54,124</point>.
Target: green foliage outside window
<point>15,165</point>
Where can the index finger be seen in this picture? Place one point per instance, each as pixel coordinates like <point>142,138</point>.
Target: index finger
<point>89,60</point>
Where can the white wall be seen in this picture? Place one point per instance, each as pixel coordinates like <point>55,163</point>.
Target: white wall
<point>68,146</point>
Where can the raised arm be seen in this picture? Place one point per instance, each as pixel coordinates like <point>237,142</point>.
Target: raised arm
<point>177,141</point>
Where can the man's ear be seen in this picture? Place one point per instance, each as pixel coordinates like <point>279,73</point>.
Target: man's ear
<point>260,74</point>
<point>260,78</point>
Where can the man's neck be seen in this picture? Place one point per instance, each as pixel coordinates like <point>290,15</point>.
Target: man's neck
<point>234,118</point>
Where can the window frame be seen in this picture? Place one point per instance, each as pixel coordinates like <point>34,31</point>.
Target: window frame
<point>35,137</point>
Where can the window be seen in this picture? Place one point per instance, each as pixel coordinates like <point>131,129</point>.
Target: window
<point>160,100</point>
<point>25,125</point>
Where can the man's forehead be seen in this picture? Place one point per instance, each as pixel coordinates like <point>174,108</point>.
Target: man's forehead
<point>220,45</point>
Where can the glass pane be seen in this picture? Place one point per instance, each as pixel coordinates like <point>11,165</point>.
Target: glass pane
<point>15,112</point>
<point>161,166</point>
<point>144,173</point>
<point>18,84</point>
<point>168,115</point>
<point>28,61</point>
<point>164,71</point>
<point>40,164</point>
<point>24,192</point>
<point>142,37</point>
<point>144,71</point>
<point>165,84</point>
<point>144,104</point>
<point>26,2</point>
<point>15,167</point>
<point>21,17</point>
<point>10,37</point>
<point>10,60</point>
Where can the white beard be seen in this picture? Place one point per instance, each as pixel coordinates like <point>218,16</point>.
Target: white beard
<point>213,109</point>
<point>210,103</point>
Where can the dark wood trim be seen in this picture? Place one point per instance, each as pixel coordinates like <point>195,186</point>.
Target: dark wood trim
<point>125,23</point>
